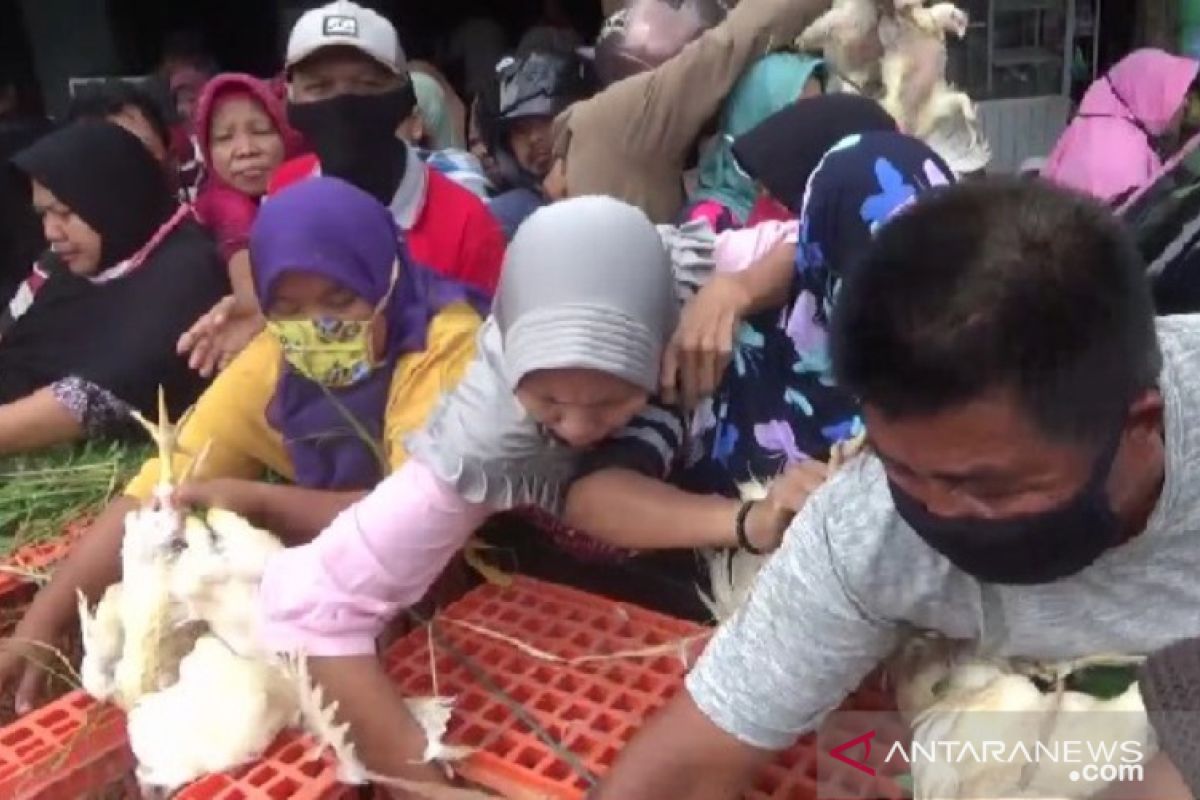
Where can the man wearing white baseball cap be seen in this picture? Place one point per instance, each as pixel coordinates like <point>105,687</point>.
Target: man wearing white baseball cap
<point>348,93</point>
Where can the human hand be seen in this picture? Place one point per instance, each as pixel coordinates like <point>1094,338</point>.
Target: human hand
<point>27,660</point>
<point>769,520</point>
<point>219,335</point>
<point>702,346</point>
<point>230,494</point>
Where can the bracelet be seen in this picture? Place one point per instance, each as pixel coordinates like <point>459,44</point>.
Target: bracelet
<point>743,540</point>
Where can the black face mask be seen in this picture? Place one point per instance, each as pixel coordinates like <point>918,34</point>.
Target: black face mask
<point>354,136</point>
<point>1028,549</point>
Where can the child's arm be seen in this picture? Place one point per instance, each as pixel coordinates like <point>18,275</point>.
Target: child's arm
<point>330,600</point>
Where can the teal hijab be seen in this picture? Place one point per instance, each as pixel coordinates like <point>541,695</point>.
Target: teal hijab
<point>431,99</point>
<point>770,85</point>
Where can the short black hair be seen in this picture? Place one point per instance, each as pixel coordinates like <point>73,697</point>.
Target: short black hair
<point>102,100</point>
<point>1000,284</point>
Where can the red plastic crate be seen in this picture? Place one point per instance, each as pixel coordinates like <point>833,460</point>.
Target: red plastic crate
<point>15,588</point>
<point>66,750</point>
<point>590,710</point>
<point>284,772</point>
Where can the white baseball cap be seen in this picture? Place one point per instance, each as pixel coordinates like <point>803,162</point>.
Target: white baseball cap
<point>346,24</point>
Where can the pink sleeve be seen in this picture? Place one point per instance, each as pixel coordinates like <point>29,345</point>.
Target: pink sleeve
<point>738,249</point>
<point>332,597</point>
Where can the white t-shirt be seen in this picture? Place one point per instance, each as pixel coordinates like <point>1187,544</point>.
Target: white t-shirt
<point>851,575</point>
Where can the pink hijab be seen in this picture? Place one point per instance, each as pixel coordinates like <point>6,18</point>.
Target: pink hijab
<point>227,212</point>
<point>1108,149</point>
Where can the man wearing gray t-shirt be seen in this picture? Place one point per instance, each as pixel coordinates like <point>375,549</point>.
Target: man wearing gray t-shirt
<point>1034,485</point>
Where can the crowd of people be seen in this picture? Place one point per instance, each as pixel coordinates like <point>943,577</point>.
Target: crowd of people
<point>637,295</point>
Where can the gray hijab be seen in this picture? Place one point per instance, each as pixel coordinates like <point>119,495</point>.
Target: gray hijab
<point>587,283</point>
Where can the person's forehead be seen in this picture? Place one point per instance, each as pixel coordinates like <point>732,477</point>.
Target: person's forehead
<point>42,196</point>
<point>570,384</point>
<point>238,103</point>
<point>990,435</point>
<point>338,59</point>
<point>300,284</point>
<point>532,122</point>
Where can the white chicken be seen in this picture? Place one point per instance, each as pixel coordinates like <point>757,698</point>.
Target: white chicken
<point>176,645</point>
<point>916,91</point>
<point>216,576</point>
<point>848,36</point>
<point>895,52</point>
<point>137,619</point>
<point>223,711</point>
<point>103,642</point>
<point>952,696</point>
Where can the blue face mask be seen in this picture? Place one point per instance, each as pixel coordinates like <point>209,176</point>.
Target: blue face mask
<point>1028,549</point>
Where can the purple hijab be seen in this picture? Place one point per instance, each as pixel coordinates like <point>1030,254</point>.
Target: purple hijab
<point>325,226</point>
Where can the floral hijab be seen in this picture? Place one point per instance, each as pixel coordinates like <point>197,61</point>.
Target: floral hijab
<point>777,405</point>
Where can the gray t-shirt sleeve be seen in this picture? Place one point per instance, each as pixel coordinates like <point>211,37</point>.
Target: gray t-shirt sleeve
<point>798,647</point>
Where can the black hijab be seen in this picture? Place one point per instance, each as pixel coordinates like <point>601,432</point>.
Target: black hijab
<point>121,334</point>
<point>783,150</point>
<point>107,176</point>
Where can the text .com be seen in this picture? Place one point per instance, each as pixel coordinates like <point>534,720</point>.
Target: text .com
<point>1109,773</point>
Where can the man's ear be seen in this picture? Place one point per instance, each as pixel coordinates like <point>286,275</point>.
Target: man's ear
<point>1146,414</point>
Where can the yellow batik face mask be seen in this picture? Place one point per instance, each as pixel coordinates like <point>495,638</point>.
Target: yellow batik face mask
<point>335,353</point>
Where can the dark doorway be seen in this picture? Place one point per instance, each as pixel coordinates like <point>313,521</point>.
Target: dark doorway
<point>238,35</point>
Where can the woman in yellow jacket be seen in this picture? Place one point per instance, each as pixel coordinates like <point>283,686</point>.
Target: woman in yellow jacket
<point>360,344</point>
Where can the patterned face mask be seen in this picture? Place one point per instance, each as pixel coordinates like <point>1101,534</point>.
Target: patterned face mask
<point>335,353</point>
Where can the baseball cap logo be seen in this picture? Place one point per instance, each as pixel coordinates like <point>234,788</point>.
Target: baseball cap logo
<point>341,26</point>
<point>839,752</point>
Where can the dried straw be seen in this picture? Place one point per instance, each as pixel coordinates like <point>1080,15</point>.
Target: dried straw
<point>481,676</point>
<point>677,647</point>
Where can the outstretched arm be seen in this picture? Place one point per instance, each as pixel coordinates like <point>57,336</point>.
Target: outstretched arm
<point>385,736</point>
<point>332,598</point>
<point>741,702</point>
<point>684,93</point>
<point>681,753</point>
<point>35,422</point>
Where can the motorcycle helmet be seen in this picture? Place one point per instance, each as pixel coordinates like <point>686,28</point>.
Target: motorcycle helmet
<point>536,83</point>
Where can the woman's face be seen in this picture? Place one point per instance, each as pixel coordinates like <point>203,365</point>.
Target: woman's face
<point>305,295</point>
<point>72,239</point>
<point>582,407</point>
<point>246,146</point>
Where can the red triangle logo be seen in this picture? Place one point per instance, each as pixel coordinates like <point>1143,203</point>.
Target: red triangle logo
<point>839,752</point>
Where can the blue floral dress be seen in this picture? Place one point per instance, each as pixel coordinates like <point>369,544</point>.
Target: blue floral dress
<point>777,404</point>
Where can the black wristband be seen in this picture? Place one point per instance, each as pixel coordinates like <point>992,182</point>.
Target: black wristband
<point>742,540</point>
